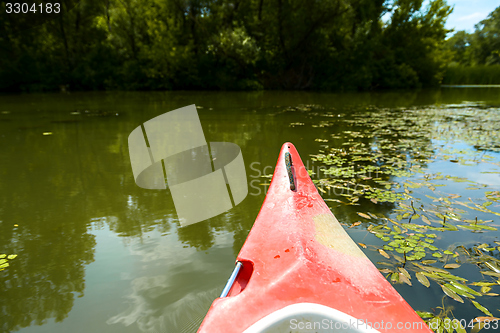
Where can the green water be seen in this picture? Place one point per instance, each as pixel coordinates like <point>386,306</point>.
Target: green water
<point>96,253</point>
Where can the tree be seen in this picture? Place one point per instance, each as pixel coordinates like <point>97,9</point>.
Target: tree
<point>486,40</point>
<point>230,44</point>
<point>458,45</point>
<point>481,47</point>
<point>416,39</point>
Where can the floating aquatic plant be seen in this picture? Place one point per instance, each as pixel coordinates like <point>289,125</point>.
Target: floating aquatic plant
<point>4,260</point>
<point>381,157</point>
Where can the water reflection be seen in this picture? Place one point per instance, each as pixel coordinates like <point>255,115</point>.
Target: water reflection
<point>155,307</point>
<point>43,193</point>
<point>176,298</point>
<point>64,189</point>
<point>49,272</point>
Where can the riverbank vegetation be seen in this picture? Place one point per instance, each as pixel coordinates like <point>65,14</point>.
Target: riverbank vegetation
<point>477,74</point>
<point>257,44</point>
<point>476,56</point>
<point>229,44</point>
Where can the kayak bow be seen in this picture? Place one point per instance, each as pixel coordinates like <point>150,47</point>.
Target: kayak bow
<point>299,271</point>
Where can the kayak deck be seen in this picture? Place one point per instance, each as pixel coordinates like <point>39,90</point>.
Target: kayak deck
<point>308,317</point>
<point>298,256</point>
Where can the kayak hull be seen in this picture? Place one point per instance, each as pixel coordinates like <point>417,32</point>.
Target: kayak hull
<point>297,252</point>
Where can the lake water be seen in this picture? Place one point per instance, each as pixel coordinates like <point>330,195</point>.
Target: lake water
<point>97,253</point>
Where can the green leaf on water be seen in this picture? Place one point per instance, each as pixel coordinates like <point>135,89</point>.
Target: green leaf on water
<point>364,215</point>
<point>429,262</point>
<point>459,328</point>
<point>464,288</point>
<point>404,278</point>
<point>406,248</point>
<point>449,276</point>
<point>491,273</point>
<point>492,266</point>
<point>433,269</point>
<point>433,276</point>
<point>458,291</point>
<point>481,284</point>
<point>405,272</point>
<point>450,227</point>
<point>422,279</point>
<point>482,308</point>
<point>485,289</point>
<point>487,227</point>
<point>383,253</point>
<point>425,315</point>
<point>470,227</point>
<point>419,255</point>
<point>452,294</point>
<point>11,256</point>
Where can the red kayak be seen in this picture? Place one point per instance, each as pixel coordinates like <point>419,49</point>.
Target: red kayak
<point>299,271</point>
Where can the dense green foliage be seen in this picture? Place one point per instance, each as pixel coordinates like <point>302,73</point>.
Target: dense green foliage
<point>482,47</point>
<point>230,44</point>
<point>476,56</point>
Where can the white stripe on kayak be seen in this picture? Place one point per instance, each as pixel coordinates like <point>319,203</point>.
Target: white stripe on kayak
<point>309,317</point>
